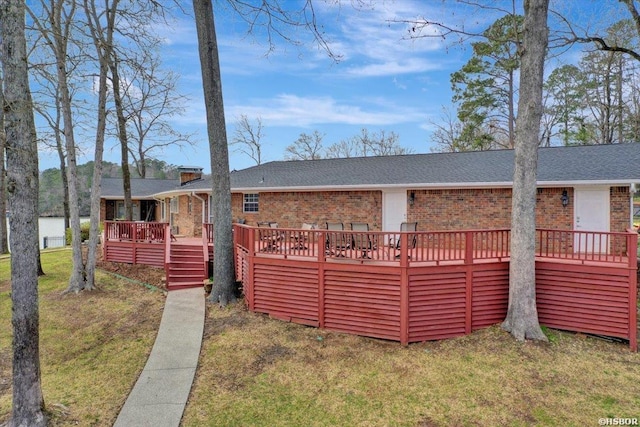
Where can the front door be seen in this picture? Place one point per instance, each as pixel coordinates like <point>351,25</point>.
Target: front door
<point>394,209</point>
<point>591,213</point>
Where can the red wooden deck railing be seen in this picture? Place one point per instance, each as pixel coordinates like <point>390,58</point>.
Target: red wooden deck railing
<point>135,242</point>
<point>449,284</point>
<point>414,286</point>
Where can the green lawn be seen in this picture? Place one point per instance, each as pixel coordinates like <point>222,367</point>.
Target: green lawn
<point>257,371</point>
<point>93,345</point>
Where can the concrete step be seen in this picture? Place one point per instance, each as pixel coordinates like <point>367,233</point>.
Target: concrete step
<point>184,285</point>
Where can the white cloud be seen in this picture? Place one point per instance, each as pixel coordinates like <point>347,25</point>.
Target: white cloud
<point>296,111</point>
<point>393,68</point>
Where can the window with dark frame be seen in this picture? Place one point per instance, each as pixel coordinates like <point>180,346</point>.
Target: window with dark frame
<point>250,202</point>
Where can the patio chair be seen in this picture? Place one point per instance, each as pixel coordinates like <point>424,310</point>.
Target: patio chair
<point>411,238</point>
<point>337,241</point>
<point>270,239</point>
<point>300,238</point>
<point>361,242</point>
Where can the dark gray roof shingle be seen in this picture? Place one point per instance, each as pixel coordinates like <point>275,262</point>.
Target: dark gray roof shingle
<point>596,163</point>
<point>618,163</point>
<point>140,188</point>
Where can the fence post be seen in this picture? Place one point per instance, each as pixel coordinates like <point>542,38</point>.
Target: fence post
<point>468,262</point>
<point>250,274</point>
<point>167,252</point>
<point>105,239</point>
<point>205,251</point>
<point>632,255</point>
<point>45,241</point>
<point>322,238</point>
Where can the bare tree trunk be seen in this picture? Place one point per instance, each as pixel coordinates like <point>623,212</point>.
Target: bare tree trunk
<point>142,164</point>
<point>65,181</point>
<point>512,113</point>
<point>522,314</point>
<point>223,274</point>
<point>39,268</point>
<point>4,242</point>
<point>122,134</point>
<point>22,189</point>
<point>103,48</point>
<point>57,38</point>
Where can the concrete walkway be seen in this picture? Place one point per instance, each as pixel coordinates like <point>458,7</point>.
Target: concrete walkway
<point>160,394</point>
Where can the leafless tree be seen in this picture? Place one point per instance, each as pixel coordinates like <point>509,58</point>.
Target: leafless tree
<point>344,149</point>
<point>306,147</point>
<point>277,21</point>
<point>447,133</point>
<point>522,315</point>
<point>568,33</point>
<point>134,35</point>
<point>53,117</point>
<point>380,143</point>
<point>248,137</point>
<point>368,144</point>
<point>151,100</point>
<point>101,25</point>
<point>55,27</point>
<point>22,189</point>
<point>223,274</point>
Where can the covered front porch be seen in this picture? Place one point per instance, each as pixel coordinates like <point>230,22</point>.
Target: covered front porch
<point>411,286</point>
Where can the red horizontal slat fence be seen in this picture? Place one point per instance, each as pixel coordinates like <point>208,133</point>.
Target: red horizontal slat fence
<point>445,284</point>
<point>135,242</point>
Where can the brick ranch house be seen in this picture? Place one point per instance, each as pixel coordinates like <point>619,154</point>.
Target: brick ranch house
<point>579,188</point>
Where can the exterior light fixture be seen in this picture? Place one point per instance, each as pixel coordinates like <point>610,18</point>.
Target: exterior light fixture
<point>412,198</point>
<point>564,198</point>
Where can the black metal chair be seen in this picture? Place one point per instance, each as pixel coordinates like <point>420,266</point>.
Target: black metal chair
<point>269,237</point>
<point>411,238</point>
<point>337,241</point>
<point>361,242</point>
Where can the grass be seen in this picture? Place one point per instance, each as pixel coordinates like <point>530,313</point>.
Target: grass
<point>257,371</point>
<point>92,345</point>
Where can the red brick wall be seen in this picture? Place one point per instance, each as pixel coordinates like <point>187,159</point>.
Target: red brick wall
<point>549,210</point>
<point>491,208</point>
<point>433,209</point>
<point>290,210</point>
<point>189,217</point>
<point>458,209</point>
<point>620,217</point>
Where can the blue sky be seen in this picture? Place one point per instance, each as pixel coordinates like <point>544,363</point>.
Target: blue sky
<point>385,80</point>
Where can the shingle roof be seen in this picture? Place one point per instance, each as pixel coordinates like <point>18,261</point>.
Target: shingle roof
<point>140,188</point>
<point>618,163</point>
<point>556,165</point>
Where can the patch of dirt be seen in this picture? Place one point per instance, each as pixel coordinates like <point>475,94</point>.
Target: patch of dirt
<point>220,325</point>
<point>271,354</point>
<point>141,273</point>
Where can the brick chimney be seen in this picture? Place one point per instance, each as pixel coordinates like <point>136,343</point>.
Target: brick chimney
<point>189,174</point>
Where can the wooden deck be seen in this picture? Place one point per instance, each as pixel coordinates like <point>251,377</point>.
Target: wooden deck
<point>431,285</point>
<point>449,284</point>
